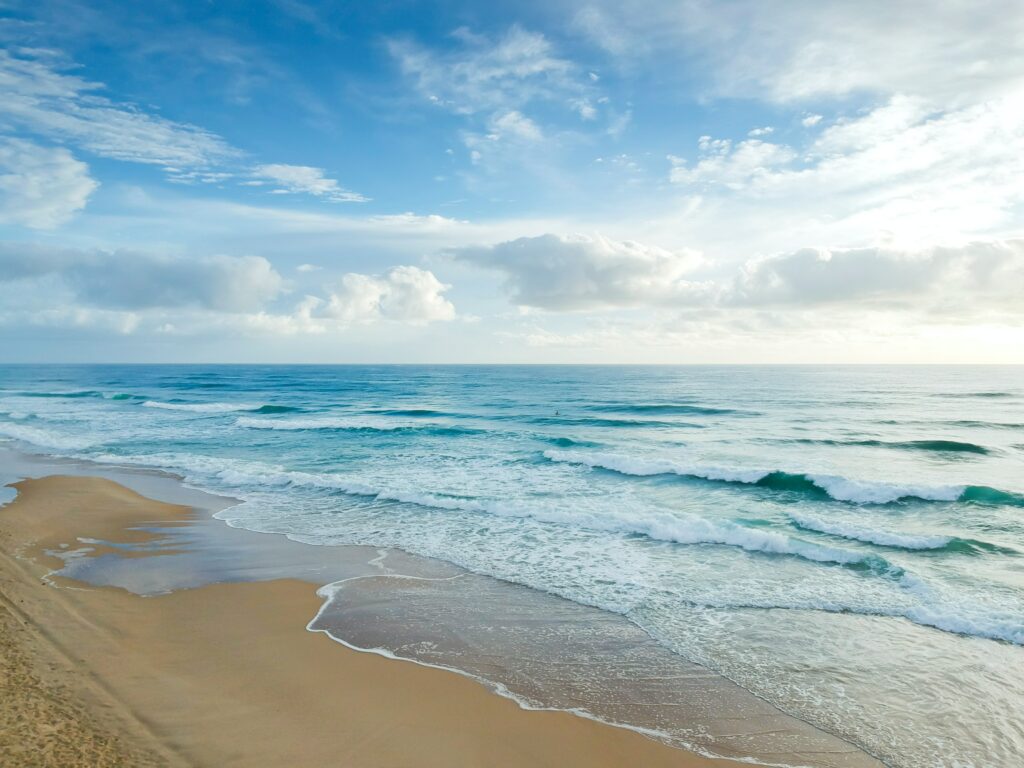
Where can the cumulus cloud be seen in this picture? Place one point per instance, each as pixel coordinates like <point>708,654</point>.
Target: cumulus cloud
<point>971,279</point>
<point>306,180</point>
<point>406,294</point>
<point>137,280</point>
<point>38,95</point>
<point>130,291</point>
<point>41,187</point>
<point>579,272</point>
<point>586,272</point>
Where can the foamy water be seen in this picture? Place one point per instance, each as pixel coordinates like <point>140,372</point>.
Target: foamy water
<point>845,543</point>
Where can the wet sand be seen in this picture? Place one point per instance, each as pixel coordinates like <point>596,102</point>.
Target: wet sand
<point>226,674</point>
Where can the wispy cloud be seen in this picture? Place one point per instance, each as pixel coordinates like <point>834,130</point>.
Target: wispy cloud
<point>813,49</point>
<point>41,97</point>
<point>515,92</point>
<point>289,179</point>
<point>483,75</point>
<point>902,168</point>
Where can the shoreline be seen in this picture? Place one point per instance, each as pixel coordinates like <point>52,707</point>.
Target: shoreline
<point>169,680</point>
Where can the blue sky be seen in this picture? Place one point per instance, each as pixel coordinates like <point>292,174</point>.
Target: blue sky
<point>512,182</point>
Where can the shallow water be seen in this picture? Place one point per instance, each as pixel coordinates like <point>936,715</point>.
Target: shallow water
<point>843,542</point>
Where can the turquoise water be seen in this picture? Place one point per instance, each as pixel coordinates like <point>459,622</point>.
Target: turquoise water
<point>844,542</point>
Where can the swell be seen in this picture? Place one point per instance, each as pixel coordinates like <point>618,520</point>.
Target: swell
<point>611,423</point>
<point>352,424</point>
<point>78,394</point>
<point>975,394</point>
<point>833,487</point>
<point>896,539</point>
<point>940,446</point>
<point>661,408</point>
<point>73,395</point>
<point>972,423</point>
<point>269,409</point>
<point>411,412</point>
<point>193,407</point>
<point>570,442</point>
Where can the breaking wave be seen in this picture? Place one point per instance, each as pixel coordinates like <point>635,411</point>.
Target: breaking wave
<point>821,485</point>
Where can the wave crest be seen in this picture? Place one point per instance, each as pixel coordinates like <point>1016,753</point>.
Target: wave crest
<point>835,487</point>
<point>199,407</point>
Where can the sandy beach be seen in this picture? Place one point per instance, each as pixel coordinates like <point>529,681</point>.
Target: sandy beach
<point>226,674</point>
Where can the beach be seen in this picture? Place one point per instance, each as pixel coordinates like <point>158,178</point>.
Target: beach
<point>791,567</point>
<point>227,675</point>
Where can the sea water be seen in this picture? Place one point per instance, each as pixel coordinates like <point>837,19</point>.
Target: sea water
<point>846,543</point>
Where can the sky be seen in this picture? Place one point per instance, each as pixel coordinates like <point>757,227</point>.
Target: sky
<point>805,181</point>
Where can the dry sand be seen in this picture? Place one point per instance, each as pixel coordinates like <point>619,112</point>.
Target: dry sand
<point>226,675</point>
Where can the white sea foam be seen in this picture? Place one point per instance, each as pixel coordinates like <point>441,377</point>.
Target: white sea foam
<point>929,608</point>
<point>884,538</point>
<point>653,523</point>
<point>865,492</point>
<point>200,407</point>
<point>46,438</point>
<point>963,615</point>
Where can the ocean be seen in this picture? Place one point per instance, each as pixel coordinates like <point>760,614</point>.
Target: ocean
<point>842,543</point>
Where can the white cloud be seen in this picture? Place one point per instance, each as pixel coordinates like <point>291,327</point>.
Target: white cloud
<point>956,51</point>
<point>486,75</point>
<point>508,137</point>
<point>500,86</point>
<point>763,131</point>
<point>138,292</point>
<point>953,51</point>
<point>405,294</point>
<point>514,125</point>
<point>41,187</point>
<point>975,280</point>
<point>42,96</point>
<point>37,96</point>
<point>810,121</point>
<point>136,280</point>
<point>732,167</point>
<point>306,180</point>
<point>606,33</point>
<point>901,171</point>
<point>581,272</point>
